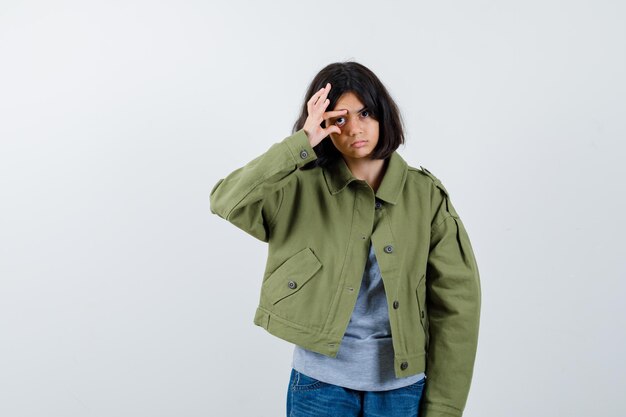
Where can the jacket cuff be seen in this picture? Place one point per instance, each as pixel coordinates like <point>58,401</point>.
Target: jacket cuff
<point>431,410</point>
<point>300,148</point>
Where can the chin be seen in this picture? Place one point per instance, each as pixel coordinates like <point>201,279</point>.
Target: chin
<point>360,155</point>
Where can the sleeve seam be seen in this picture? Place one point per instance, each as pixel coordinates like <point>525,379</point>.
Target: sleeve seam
<point>441,222</point>
<point>272,223</point>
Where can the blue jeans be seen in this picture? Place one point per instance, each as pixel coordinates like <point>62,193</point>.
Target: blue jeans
<point>309,397</point>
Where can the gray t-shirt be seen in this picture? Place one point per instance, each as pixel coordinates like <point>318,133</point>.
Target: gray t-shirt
<point>365,357</point>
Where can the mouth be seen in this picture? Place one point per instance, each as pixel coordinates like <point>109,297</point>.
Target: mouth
<point>358,143</point>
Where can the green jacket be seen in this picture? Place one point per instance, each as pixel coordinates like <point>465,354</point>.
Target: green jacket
<point>318,224</point>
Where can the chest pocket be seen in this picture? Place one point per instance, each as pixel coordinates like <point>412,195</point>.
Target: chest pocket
<point>292,275</point>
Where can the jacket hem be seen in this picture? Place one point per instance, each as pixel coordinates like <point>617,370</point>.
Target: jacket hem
<point>296,334</point>
<point>327,345</point>
<point>414,364</point>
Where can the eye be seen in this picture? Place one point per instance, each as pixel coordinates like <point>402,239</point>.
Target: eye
<point>337,121</point>
<point>365,113</point>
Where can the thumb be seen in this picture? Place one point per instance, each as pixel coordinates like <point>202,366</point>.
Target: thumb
<point>332,129</point>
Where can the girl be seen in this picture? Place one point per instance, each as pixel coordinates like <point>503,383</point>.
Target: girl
<point>370,271</point>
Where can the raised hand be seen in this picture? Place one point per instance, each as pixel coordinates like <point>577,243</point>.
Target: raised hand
<point>316,107</point>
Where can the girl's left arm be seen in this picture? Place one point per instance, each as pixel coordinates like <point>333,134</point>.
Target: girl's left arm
<point>453,304</point>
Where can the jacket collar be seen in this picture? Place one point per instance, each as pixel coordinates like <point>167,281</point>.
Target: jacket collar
<point>338,176</point>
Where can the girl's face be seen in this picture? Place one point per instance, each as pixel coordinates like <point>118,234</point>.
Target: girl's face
<point>359,130</point>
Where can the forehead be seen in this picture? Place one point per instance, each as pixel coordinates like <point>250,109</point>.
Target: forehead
<point>349,101</point>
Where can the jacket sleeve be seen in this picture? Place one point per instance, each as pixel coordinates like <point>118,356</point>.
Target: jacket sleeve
<point>250,196</point>
<point>453,298</point>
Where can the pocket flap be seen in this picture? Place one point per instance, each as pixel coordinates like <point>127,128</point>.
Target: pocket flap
<point>288,278</point>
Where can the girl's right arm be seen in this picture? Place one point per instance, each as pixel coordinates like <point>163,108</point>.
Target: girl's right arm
<point>250,196</point>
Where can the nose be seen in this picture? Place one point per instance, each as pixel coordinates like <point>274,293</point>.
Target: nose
<point>354,126</point>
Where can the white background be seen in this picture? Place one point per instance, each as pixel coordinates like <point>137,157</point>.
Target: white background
<point>122,295</point>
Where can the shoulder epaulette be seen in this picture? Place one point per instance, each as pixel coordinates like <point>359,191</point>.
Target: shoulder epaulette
<point>435,179</point>
<point>430,174</point>
<point>439,185</point>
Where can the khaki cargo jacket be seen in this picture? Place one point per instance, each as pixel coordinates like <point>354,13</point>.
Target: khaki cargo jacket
<point>318,224</point>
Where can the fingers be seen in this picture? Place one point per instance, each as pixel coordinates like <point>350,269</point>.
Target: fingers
<point>320,96</point>
<point>323,93</point>
<point>332,129</point>
<point>334,113</point>
<point>318,103</point>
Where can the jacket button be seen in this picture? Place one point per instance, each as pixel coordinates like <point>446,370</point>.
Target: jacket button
<point>292,284</point>
<point>304,154</point>
<point>404,365</point>
<point>378,204</point>
<point>388,248</point>
<point>396,304</point>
